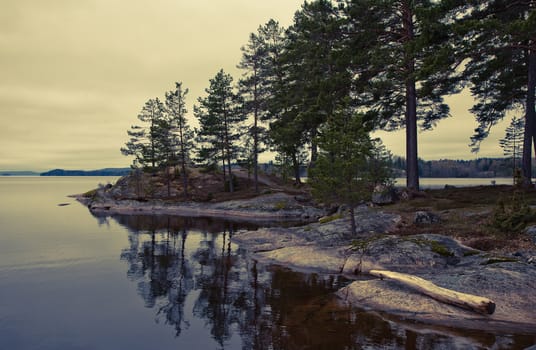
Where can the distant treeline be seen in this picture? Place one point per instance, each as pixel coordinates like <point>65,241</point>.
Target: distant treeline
<point>481,167</point>
<point>18,173</point>
<point>100,172</point>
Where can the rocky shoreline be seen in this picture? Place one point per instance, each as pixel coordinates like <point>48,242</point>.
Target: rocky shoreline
<point>509,281</point>
<point>327,247</point>
<point>279,207</point>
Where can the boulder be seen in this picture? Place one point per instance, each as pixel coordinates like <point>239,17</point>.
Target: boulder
<point>423,252</point>
<point>531,232</point>
<point>384,195</point>
<point>426,218</point>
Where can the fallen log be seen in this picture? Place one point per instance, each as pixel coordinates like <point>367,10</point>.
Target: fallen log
<point>448,296</point>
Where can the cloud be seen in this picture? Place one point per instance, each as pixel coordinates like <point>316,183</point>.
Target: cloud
<point>75,74</point>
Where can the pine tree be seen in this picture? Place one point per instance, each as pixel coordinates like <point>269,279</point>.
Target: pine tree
<point>340,175</point>
<point>512,143</point>
<point>311,79</point>
<point>401,72</point>
<point>316,68</point>
<point>149,143</point>
<point>255,86</point>
<point>182,135</point>
<point>220,118</point>
<point>499,39</point>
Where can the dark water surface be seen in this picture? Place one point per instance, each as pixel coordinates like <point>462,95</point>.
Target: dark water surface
<point>69,280</point>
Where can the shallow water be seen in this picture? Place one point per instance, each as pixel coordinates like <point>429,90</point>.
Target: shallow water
<point>69,280</point>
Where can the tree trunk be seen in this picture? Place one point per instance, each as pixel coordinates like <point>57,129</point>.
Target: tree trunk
<point>256,154</point>
<point>412,167</point>
<point>168,176</point>
<point>352,221</point>
<point>256,137</point>
<point>530,118</point>
<point>184,179</point>
<point>183,165</point>
<point>314,149</point>
<point>223,167</point>
<point>296,166</point>
<point>231,186</point>
<point>466,301</point>
<point>183,155</point>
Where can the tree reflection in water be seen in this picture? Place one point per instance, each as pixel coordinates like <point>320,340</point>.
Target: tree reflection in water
<point>188,269</point>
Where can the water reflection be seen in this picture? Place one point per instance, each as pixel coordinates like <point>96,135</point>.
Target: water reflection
<point>190,272</point>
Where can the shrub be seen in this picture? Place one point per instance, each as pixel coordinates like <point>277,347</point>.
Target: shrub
<point>512,215</point>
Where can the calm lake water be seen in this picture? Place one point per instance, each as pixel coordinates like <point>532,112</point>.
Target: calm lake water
<point>429,183</point>
<point>69,280</point>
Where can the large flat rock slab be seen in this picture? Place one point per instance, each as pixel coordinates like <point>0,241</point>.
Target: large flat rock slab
<point>510,285</point>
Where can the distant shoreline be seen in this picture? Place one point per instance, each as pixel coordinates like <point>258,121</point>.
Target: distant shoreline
<point>63,172</point>
<point>425,182</point>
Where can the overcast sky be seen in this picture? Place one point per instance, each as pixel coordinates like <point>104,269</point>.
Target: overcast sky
<point>75,74</point>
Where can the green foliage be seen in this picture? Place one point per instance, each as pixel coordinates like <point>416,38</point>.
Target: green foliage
<point>340,174</point>
<point>181,135</point>
<point>255,89</point>
<point>510,216</point>
<point>497,42</point>
<point>150,142</point>
<point>440,249</point>
<point>402,66</point>
<point>379,165</point>
<point>344,172</point>
<point>220,118</point>
<point>512,142</point>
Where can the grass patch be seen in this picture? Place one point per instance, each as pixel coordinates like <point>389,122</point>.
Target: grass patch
<point>90,194</point>
<point>471,253</point>
<point>280,205</point>
<point>435,246</point>
<point>330,218</point>
<point>440,249</point>
<point>498,260</point>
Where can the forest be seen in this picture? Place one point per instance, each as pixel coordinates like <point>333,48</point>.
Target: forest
<point>313,92</point>
<point>474,168</point>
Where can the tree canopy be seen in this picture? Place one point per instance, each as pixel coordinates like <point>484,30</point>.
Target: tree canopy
<point>345,68</point>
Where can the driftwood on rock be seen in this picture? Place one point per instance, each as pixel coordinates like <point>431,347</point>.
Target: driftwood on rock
<point>467,301</point>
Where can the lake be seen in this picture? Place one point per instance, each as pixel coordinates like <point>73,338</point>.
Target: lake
<point>435,183</point>
<point>70,280</point>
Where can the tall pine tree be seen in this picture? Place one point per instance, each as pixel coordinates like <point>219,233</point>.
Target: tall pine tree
<point>499,39</point>
<point>220,118</point>
<point>316,66</point>
<point>400,75</point>
<point>182,134</point>
<point>256,85</point>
